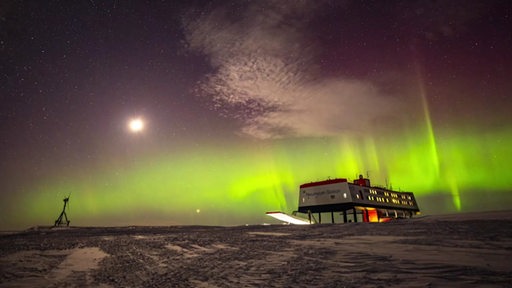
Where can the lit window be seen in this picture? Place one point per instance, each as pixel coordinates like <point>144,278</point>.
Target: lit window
<point>344,195</point>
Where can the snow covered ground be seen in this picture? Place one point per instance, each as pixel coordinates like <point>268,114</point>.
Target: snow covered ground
<point>463,250</point>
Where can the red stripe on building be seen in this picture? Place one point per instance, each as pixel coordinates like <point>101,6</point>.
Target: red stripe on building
<point>325,182</point>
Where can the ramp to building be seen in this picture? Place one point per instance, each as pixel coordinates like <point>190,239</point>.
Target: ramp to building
<point>288,218</point>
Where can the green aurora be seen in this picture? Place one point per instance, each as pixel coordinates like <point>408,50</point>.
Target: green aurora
<point>219,186</point>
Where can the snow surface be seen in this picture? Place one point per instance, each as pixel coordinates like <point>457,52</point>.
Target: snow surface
<point>462,250</point>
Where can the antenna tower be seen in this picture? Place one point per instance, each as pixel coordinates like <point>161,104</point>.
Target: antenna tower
<point>59,221</point>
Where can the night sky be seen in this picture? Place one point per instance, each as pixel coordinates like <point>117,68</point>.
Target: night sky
<point>243,101</point>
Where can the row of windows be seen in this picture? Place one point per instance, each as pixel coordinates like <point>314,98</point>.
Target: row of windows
<point>386,200</point>
<point>395,195</point>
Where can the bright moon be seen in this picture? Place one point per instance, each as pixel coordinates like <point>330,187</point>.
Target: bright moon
<point>136,125</point>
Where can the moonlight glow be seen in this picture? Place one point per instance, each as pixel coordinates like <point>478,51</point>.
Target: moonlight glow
<point>136,125</point>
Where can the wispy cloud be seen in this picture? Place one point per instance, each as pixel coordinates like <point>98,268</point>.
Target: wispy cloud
<point>266,74</point>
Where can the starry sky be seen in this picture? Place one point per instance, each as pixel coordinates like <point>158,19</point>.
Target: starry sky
<point>243,101</point>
